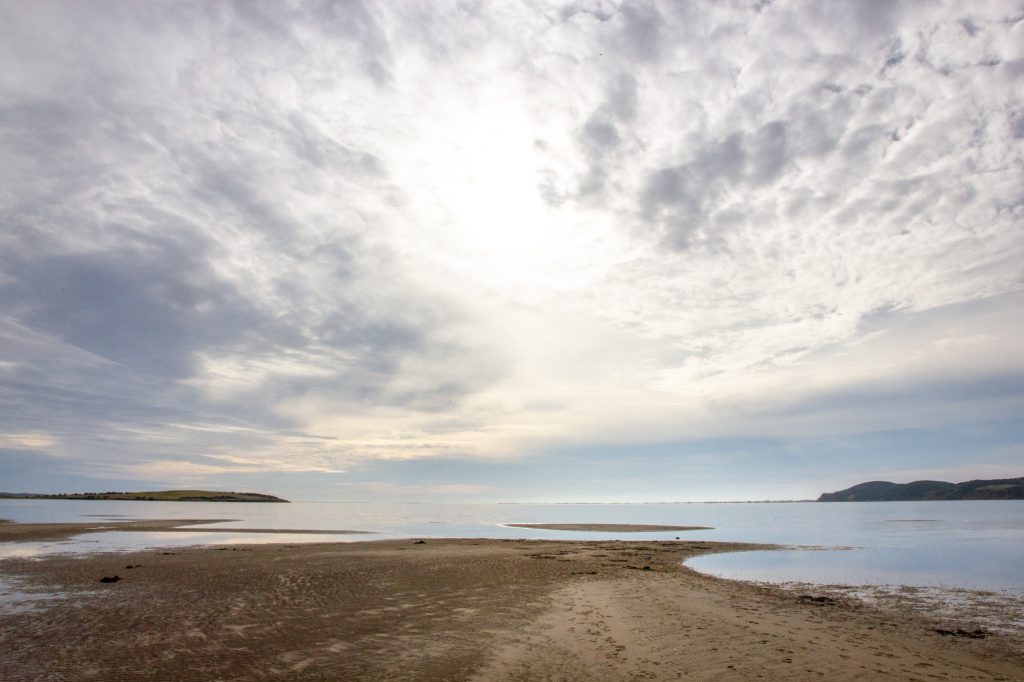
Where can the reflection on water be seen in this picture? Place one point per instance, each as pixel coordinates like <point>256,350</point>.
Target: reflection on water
<point>966,544</point>
<point>942,565</point>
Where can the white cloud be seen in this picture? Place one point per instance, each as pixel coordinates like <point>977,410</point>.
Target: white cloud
<point>403,230</point>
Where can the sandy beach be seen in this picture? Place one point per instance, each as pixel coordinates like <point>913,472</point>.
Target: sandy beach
<point>458,610</point>
<point>605,527</point>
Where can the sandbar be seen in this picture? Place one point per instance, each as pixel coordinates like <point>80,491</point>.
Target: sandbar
<point>605,527</point>
<point>28,532</point>
<point>460,609</point>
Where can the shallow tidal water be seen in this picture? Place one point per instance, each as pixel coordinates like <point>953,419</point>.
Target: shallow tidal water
<point>971,545</point>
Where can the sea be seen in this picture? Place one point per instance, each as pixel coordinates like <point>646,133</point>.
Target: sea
<point>969,545</point>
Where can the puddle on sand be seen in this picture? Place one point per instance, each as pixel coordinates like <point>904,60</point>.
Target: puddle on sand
<point>16,598</point>
<point>88,544</point>
<point>37,549</point>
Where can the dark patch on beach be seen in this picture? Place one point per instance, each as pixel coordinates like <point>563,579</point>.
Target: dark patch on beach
<point>977,633</point>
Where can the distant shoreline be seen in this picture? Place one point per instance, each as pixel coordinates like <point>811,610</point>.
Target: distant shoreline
<point>152,496</point>
<point>930,491</point>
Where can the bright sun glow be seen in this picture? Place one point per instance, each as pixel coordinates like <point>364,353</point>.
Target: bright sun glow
<point>498,216</point>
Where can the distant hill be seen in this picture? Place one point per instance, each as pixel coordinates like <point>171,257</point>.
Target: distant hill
<point>154,496</point>
<point>884,491</point>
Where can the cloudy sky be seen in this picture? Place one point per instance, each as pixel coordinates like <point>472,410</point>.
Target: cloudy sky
<point>473,250</point>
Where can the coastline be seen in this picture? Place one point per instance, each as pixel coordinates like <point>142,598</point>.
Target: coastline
<point>459,609</point>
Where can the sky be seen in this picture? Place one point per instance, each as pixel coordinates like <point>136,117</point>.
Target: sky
<point>510,251</point>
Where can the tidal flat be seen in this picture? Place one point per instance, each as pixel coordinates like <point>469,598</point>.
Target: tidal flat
<point>462,609</point>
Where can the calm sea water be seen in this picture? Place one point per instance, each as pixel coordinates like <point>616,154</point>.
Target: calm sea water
<point>976,545</point>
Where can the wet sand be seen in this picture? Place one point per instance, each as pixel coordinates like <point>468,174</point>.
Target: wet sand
<point>458,610</point>
<point>605,527</point>
<point>28,532</point>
